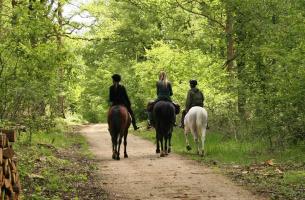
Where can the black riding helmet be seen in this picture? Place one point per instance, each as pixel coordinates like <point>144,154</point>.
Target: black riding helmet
<point>116,77</point>
<point>193,83</point>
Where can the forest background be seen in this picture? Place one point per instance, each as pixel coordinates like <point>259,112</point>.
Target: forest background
<point>248,57</point>
<point>57,58</point>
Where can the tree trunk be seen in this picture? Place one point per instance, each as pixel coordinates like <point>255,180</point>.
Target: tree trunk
<point>1,7</point>
<point>229,37</point>
<point>241,101</point>
<point>61,97</point>
<point>14,14</point>
<point>241,35</point>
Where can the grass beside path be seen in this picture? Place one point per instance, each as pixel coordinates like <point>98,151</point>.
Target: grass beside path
<point>57,165</point>
<point>280,174</point>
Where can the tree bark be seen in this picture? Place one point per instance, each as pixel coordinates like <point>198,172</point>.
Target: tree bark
<point>230,39</point>
<point>61,97</point>
<point>14,14</point>
<point>1,7</point>
<point>241,35</point>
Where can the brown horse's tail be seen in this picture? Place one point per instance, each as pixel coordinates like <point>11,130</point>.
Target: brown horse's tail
<point>118,118</point>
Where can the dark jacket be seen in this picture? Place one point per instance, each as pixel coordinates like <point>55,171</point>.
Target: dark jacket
<point>118,96</point>
<point>194,98</point>
<point>164,91</point>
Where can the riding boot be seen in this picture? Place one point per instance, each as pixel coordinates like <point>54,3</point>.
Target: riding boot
<point>182,118</point>
<point>135,127</point>
<point>175,124</point>
<point>133,121</point>
<point>149,120</point>
<point>133,118</point>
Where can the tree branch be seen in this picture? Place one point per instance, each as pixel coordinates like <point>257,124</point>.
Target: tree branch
<point>81,38</point>
<point>201,14</point>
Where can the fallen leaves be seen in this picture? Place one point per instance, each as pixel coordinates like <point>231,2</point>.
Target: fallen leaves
<point>269,162</point>
<point>279,171</point>
<point>270,177</point>
<point>35,176</point>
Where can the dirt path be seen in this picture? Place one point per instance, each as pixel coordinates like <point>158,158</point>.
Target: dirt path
<point>144,175</point>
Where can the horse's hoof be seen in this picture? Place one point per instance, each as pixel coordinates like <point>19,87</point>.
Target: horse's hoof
<point>125,155</point>
<point>169,150</point>
<point>188,148</point>
<point>157,150</point>
<point>118,158</point>
<point>162,154</point>
<point>113,157</point>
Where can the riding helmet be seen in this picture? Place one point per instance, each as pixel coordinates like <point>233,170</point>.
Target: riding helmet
<point>116,77</point>
<point>193,82</point>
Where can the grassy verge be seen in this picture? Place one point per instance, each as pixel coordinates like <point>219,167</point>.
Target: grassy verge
<point>279,174</point>
<point>56,165</point>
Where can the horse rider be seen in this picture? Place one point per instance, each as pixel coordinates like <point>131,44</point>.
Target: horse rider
<point>164,88</point>
<point>194,98</point>
<point>164,92</point>
<point>118,96</point>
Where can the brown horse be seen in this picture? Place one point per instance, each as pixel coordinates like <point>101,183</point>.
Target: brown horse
<point>118,123</point>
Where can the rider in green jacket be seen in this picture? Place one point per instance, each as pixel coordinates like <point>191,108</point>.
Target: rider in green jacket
<point>194,98</point>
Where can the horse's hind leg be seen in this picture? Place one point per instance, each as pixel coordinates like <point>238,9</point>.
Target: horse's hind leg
<point>119,146</point>
<point>165,147</point>
<point>169,142</point>
<point>203,140</point>
<point>158,144</point>
<point>162,154</point>
<point>197,143</point>
<point>113,148</point>
<point>125,146</point>
<point>188,147</point>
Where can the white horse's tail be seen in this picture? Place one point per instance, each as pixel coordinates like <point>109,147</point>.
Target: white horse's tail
<point>201,120</point>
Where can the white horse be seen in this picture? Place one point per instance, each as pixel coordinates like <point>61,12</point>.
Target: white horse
<point>195,121</point>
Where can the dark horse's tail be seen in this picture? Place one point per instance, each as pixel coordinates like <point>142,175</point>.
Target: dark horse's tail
<point>164,114</point>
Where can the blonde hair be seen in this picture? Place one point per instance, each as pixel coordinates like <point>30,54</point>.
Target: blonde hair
<point>163,78</point>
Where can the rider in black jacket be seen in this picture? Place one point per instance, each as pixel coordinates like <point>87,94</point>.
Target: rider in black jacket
<point>118,96</point>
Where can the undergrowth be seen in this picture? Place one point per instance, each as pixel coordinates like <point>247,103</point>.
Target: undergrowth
<point>56,165</point>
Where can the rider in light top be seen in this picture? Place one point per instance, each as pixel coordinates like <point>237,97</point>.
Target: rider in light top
<point>164,92</point>
<point>164,88</point>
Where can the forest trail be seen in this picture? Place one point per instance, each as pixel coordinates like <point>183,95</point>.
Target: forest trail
<point>144,175</point>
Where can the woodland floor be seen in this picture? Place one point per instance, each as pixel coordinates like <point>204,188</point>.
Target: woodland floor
<point>144,175</point>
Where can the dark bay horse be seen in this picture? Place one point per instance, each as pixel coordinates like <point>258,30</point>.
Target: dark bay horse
<point>164,116</point>
<point>118,123</point>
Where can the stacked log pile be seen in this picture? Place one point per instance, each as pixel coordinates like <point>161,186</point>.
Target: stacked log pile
<point>9,179</point>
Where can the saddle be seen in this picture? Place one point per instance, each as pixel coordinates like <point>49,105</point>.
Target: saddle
<point>150,106</point>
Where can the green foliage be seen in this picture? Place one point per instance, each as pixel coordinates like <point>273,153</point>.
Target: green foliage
<point>189,40</point>
<point>253,85</point>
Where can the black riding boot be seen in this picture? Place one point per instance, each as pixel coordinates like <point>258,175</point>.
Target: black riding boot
<point>182,118</point>
<point>133,118</point>
<point>134,124</point>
